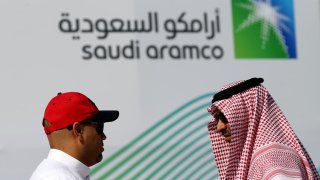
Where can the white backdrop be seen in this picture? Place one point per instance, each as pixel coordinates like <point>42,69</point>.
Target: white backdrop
<point>40,58</point>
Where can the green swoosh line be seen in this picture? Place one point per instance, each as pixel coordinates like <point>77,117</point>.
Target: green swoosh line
<point>133,154</point>
<point>184,170</point>
<point>158,170</point>
<point>199,168</point>
<point>152,152</point>
<point>128,146</point>
<point>128,170</point>
<point>215,176</point>
<point>176,155</point>
<point>157,136</point>
<point>204,174</point>
<point>180,130</point>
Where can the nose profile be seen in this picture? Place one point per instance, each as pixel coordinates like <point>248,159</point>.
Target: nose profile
<point>221,126</point>
<point>103,136</point>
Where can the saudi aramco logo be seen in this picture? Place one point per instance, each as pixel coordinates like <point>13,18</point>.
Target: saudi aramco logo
<point>264,29</point>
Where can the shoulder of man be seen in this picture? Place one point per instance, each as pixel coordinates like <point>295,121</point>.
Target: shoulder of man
<point>50,170</point>
<point>276,160</point>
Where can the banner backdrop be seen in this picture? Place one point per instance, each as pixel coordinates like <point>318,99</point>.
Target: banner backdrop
<point>159,63</point>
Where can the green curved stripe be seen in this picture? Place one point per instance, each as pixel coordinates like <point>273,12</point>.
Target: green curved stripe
<point>129,145</point>
<point>177,154</point>
<point>204,174</point>
<point>163,143</point>
<point>133,154</point>
<point>216,176</point>
<point>184,170</point>
<point>194,172</point>
<point>179,131</point>
<point>213,177</point>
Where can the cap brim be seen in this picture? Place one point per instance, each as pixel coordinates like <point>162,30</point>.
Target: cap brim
<point>106,116</point>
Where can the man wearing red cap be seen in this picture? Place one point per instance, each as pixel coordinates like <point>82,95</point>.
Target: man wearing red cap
<point>252,139</point>
<point>74,127</point>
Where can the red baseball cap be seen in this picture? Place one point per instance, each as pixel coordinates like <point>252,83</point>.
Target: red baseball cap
<point>70,107</point>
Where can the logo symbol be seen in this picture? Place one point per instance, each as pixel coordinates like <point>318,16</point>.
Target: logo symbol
<point>264,29</point>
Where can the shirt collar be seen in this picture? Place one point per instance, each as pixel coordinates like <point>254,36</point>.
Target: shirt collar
<point>74,164</point>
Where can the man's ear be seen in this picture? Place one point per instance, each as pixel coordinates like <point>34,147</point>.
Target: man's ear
<point>77,128</point>
<point>78,131</point>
